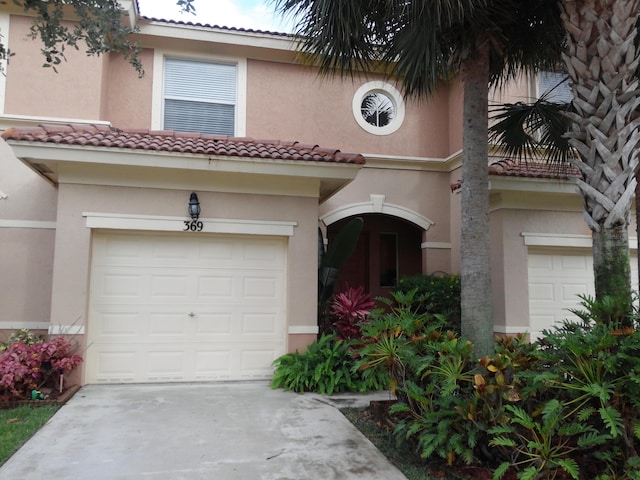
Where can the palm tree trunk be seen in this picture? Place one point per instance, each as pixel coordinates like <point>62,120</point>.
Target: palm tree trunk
<point>611,265</point>
<point>602,60</point>
<point>476,296</point>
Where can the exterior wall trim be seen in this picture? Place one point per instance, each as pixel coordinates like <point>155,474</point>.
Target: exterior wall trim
<point>303,329</point>
<point>508,330</point>
<point>564,240</point>
<point>66,330</point>
<point>177,224</point>
<point>376,205</point>
<point>20,325</point>
<point>443,245</point>
<point>27,224</point>
<point>5,22</point>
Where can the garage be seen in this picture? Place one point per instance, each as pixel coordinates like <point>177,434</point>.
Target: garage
<point>185,307</point>
<point>556,278</point>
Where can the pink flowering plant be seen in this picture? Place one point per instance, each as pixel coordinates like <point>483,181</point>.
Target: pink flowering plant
<point>349,309</point>
<point>30,366</point>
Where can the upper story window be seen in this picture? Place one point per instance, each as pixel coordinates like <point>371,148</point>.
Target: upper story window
<point>555,85</point>
<point>200,96</point>
<point>378,108</point>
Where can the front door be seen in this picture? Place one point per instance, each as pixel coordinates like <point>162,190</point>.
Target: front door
<point>387,250</point>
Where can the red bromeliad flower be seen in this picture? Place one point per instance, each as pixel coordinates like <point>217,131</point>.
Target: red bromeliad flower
<point>350,308</point>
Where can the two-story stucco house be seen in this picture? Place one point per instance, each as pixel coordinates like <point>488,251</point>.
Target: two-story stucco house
<point>98,168</point>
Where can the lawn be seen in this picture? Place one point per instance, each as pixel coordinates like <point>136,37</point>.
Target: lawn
<point>18,424</point>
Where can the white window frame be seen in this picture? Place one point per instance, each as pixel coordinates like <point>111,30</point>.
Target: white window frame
<point>389,91</point>
<point>157,101</point>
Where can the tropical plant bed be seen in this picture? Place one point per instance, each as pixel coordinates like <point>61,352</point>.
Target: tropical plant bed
<point>52,397</point>
<point>375,423</point>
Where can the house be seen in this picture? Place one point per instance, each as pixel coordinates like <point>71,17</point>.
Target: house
<point>169,223</point>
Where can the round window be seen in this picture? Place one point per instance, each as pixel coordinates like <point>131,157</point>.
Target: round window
<point>378,108</point>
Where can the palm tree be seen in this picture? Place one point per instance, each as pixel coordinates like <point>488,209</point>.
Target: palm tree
<point>426,45</point>
<point>601,128</point>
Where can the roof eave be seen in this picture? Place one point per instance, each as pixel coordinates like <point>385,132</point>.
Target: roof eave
<point>47,158</point>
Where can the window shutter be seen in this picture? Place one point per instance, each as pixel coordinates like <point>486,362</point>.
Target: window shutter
<point>199,97</point>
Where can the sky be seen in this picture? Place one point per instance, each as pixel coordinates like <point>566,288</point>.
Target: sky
<point>254,14</point>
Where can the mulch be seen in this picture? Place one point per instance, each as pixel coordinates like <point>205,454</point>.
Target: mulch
<point>53,398</point>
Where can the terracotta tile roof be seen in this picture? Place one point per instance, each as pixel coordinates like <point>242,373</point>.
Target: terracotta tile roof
<point>169,141</point>
<point>508,167</point>
<point>530,169</point>
<point>208,25</point>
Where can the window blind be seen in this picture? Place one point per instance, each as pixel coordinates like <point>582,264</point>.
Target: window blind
<point>553,82</point>
<point>199,97</point>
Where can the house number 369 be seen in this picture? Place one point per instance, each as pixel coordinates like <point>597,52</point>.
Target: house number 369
<point>193,226</point>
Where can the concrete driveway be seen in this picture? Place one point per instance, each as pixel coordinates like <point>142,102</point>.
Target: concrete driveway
<point>218,431</point>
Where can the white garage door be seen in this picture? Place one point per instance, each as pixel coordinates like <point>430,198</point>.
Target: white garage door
<point>556,278</point>
<point>186,307</point>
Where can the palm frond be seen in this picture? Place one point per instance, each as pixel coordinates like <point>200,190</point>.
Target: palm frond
<point>529,130</point>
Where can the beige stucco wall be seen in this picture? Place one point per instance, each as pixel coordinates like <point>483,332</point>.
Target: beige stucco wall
<point>292,102</point>
<point>74,92</point>
<point>128,98</point>
<point>27,232</point>
<point>73,243</point>
<point>420,193</point>
<point>514,213</point>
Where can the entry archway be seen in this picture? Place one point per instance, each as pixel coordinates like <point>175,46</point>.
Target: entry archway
<point>388,248</point>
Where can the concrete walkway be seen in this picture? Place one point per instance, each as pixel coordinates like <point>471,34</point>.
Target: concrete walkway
<point>218,431</point>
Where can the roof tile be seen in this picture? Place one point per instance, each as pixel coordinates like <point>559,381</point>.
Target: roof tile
<point>210,26</point>
<point>169,141</point>
<point>508,167</point>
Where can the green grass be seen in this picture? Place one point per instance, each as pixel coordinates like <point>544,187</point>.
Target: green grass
<point>18,424</point>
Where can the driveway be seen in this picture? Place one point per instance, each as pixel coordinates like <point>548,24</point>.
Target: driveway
<point>217,431</point>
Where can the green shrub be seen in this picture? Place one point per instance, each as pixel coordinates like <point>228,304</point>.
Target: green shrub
<point>326,367</point>
<point>567,406</point>
<point>435,294</point>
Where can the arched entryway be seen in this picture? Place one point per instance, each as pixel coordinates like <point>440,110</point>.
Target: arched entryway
<point>388,249</point>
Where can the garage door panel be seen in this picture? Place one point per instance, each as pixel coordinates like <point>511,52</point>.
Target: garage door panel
<point>117,325</point>
<point>259,324</point>
<point>214,324</point>
<point>185,307</point>
<point>260,287</point>
<point>556,278</point>
<point>173,325</point>
<point>541,292</point>
<point>217,287</point>
<point>117,367</point>
<point>163,363</point>
<point>569,291</point>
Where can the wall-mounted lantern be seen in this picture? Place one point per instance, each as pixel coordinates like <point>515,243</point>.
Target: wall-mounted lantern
<point>194,206</point>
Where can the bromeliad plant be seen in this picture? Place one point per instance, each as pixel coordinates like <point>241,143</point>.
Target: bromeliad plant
<point>348,310</point>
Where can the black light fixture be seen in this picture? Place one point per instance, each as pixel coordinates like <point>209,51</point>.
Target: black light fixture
<point>194,206</point>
